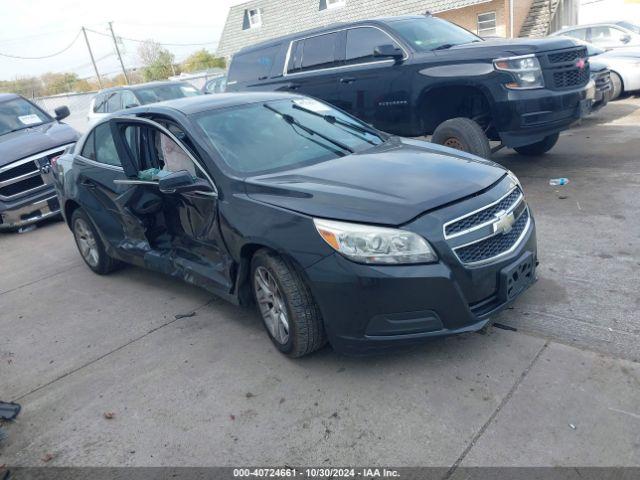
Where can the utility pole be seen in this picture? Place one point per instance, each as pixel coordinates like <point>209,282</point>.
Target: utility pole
<point>95,67</point>
<point>115,42</point>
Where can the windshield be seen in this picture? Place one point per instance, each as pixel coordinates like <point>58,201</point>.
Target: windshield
<point>431,33</point>
<point>160,93</point>
<point>18,114</point>
<point>630,26</point>
<point>283,134</point>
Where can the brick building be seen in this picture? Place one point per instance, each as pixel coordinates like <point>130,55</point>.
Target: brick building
<point>259,20</point>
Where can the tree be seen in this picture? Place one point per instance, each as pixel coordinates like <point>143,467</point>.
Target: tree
<point>202,60</point>
<point>157,61</point>
<point>55,83</point>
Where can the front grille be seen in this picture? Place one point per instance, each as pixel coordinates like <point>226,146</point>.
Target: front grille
<point>484,216</point>
<point>494,245</point>
<point>23,176</point>
<point>561,70</point>
<point>570,78</point>
<point>567,56</point>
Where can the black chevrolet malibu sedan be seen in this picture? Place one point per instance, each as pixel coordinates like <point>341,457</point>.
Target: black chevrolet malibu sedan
<point>337,231</point>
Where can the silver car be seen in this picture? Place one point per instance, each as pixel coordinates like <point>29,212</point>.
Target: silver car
<point>624,64</point>
<point>606,35</point>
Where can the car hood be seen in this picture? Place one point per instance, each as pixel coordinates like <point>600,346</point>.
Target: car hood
<point>21,144</point>
<point>496,48</point>
<point>389,184</point>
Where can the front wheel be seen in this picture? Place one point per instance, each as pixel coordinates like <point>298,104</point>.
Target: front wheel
<point>463,134</point>
<point>616,86</point>
<point>538,148</point>
<point>90,245</point>
<point>288,310</point>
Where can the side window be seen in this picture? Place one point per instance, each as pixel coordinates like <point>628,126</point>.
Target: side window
<point>99,106</point>
<point>318,52</point>
<point>105,149</point>
<point>252,66</point>
<point>129,99</point>
<point>362,41</point>
<point>606,35</point>
<point>88,149</point>
<point>114,102</point>
<point>579,33</point>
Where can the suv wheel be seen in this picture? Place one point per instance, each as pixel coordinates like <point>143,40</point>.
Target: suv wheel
<point>538,148</point>
<point>90,245</point>
<point>463,134</point>
<point>289,313</point>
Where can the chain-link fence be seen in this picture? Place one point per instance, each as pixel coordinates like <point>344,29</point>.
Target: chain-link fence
<point>78,104</point>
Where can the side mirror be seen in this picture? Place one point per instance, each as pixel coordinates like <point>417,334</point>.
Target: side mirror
<point>626,38</point>
<point>388,51</point>
<point>183,182</point>
<point>62,112</point>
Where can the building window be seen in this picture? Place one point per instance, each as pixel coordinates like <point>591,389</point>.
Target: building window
<point>252,18</point>
<point>487,23</point>
<point>329,4</point>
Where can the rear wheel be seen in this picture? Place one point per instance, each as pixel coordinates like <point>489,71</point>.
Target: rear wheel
<point>616,85</point>
<point>288,310</point>
<point>90,245</point>
<point>463,134</point>
<point>538,148</point>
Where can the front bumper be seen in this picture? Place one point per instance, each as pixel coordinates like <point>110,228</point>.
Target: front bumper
<point>368,308</point>
<point>26,211</point>
<point>524,117</point>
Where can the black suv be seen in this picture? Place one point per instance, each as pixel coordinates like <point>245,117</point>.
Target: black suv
<point>421,75</point>
<point>30,141</point>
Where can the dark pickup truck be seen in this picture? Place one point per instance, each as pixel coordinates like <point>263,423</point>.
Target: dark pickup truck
<point>421,75</point>
<point>30,139</point>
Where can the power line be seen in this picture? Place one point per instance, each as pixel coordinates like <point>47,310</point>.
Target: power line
<point>44,56</point>
<point>160,43</point>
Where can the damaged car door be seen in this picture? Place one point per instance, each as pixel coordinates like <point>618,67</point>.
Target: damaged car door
<point>170,205</point>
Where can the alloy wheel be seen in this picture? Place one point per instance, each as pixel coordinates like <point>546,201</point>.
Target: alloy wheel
<point>86,242</point>
<point>272,305</point>
<point>453,142</point>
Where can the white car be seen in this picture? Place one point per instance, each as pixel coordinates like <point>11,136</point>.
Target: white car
<point>624,64</point>
<point>113,99</point>
<point>605,35</point>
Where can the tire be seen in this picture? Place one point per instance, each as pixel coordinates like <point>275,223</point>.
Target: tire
<point>85,235</point>
<point>616,86</point>
<point>305,332</point>
<point>538,148</point>
<point>463,134</point>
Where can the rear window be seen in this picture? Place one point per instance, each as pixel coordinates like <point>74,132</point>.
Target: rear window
<point>160,93</point>
<point>313,53</point>
<point>252,66</point>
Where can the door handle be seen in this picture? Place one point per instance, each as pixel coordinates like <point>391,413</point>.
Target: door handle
<point>88,184</point>
<point>292,86</point>
<point>347,80</point>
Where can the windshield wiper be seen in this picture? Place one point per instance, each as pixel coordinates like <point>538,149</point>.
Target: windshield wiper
<point>335,121</point>
<point>292,121</point>
<point>22,128</point>
<point>444,46</point>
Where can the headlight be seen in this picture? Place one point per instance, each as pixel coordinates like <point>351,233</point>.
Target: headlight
<point>513,177</point>
<point>526,71</point>
<point>375,245</point>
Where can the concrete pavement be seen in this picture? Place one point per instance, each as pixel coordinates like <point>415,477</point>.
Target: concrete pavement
<point>210,390</point>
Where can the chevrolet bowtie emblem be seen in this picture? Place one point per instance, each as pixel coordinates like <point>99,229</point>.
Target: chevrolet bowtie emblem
<point>504,222</point>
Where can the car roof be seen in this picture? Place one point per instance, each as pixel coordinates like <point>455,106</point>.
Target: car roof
<point>326,28</point>
<point>8,96</point>
<point>202,103</point>
<point>143,85</point>
<point>587,25</point>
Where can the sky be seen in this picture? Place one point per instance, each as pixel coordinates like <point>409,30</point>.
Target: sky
<point>35,28</point>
